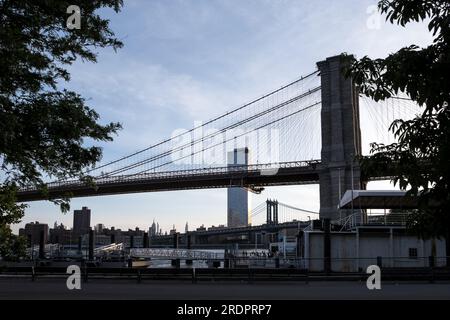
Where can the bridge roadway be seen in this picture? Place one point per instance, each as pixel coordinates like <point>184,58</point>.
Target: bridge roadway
<point>247,176</point>
<point>299,172</point>
<point>239,230</point>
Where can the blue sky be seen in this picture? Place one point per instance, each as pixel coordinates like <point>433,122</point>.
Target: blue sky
<point>186,61</point>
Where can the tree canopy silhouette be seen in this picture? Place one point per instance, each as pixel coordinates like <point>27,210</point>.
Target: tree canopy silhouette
<point>420,159</point>
<point>43,126</point>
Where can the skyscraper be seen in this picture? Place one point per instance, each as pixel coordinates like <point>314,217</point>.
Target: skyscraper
<point>152,230</point>
<point>238,200</point>
<point>81,221</point>
<point>33,232</point>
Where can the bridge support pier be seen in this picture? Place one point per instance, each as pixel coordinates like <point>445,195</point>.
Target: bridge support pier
<point>131,242</point>
<point>41,245</point>
<point>327,246</point>
<point>188,241</point>
<point>300,244</point>
<point>176,263</point>
<point>176,236</point>
<point>341,136</point>
<point>91,244</point>
<point>145,240</point>
<point>80,243</point>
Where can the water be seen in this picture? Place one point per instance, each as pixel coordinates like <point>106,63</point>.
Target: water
<point>167,263</point>
<point>251,257</point>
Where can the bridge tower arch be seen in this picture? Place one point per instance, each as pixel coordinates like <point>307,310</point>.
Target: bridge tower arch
<point>341,136</point>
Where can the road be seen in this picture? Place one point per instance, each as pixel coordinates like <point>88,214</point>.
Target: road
<point>126,289</point>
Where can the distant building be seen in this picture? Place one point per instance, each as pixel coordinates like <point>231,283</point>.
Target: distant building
<point>186,228</point>
<point>99,227</point>
<point>81,221</point>
<point>102,239</point>
<point>238,213</point>
<point>201,228</point>
<point>60,235</point>
<point>32,232</point>
<point>152,231</point>
<point>220,226</point>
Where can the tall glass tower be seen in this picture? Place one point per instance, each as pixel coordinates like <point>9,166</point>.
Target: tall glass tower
<point>238,198</point>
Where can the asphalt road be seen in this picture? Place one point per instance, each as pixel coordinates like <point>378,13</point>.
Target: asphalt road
<point>126,289</point>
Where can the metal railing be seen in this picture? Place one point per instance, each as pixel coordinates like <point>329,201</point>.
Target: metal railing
<point>360,218</point>
<point>109,248</point>
<point>309,227</point>
<point>173,253</point>
<point>239,268</point>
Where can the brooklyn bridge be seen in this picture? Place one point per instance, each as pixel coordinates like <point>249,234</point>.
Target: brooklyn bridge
<point>306,132</point>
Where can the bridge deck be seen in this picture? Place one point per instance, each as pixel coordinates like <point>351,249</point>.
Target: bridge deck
<point>300,172</point>
<point>247,176</point>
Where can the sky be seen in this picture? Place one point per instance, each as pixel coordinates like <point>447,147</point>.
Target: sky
<point>190,60</point>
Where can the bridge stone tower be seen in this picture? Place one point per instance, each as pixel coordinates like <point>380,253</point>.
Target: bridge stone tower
<point>341,136</point>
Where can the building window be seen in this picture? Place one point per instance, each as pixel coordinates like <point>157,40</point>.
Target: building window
<point>413,253</point>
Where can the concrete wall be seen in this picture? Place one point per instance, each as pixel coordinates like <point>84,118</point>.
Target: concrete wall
<point>351,251</point>
<point>341,251</point>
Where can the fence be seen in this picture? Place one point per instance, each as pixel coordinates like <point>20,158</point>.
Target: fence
<point>229,269</point>
<point>360,218</point>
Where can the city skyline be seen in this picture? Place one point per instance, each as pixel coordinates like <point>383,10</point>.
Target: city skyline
<point>179,226</point>
<point>156,231</point>
<point>166,44</point>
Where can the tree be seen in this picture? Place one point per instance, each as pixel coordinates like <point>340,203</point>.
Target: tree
<point>43,126</point>
<point>420,159</point>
